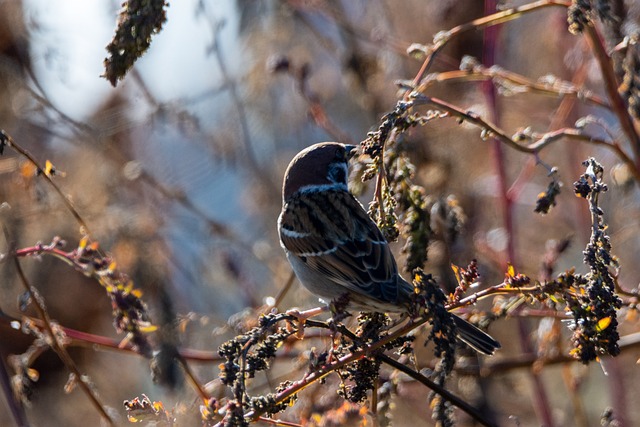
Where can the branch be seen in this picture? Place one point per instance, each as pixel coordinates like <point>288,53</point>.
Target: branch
<point>611,86</point>
<point>442,38</point>
<point>56,346</point>
<point>543,140</point>
<point>495,74</point>
<point>5,139</point>
<point>455,400</point>
<point>16,407</point>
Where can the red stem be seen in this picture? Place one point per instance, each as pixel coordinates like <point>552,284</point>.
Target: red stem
<point>611,86</point>
<point>491,39</point>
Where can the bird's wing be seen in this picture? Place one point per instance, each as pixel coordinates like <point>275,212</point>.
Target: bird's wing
<point>331,232</point>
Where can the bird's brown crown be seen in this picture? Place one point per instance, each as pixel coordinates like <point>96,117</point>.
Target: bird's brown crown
<point>316,166</point>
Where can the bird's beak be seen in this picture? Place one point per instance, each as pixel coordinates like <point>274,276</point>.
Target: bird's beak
<point>351,150</point>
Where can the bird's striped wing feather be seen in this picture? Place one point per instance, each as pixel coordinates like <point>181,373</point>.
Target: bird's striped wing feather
<point>333,234</point>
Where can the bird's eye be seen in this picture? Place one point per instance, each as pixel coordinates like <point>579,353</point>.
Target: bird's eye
<point>341,154</point>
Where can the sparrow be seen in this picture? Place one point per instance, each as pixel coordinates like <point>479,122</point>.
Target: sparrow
<point>336,250</point>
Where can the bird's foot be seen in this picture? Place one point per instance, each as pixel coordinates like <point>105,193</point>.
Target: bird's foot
<point>303,316</point>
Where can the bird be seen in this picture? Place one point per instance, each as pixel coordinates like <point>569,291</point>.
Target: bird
<point>336,250</point>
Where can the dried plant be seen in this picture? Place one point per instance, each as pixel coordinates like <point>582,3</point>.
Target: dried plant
<point>351,369</point>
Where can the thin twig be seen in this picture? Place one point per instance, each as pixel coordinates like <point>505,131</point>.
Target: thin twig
<point>204,396</point>
<point>495,74</point>
<point>559,119</point>
<point>285,290</point>
<point>15,405</point>
<point>491,129</point>
<point>57,346</point>
<point>446,395</point>
<point>232,87</point>
<point>9,141</point>
<point>316,109</point>
<point>279,422</point>
<point>493,19</point>
<point>611,86</point>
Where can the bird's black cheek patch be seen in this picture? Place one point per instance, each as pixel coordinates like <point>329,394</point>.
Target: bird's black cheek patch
<point>338,173</point>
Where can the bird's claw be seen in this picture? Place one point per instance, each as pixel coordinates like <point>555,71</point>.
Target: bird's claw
<point>303,316</point>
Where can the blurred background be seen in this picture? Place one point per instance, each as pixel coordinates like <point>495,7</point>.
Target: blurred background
<point>177,172</point>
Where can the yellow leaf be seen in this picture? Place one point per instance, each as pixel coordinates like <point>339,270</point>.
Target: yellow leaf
<point>204,411</point>
<point>456,271</point>
<point>511,271</point>
<point>112,266</point>
<point>83,242</point>
<point>434,402</point>
<point>148,328</point>
<point>128,287</point>
<point>48,168</point>
<point>603,324</point>
<point>136,293</point>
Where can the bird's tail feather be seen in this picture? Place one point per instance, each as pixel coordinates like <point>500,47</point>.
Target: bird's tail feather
<point>474,337</point>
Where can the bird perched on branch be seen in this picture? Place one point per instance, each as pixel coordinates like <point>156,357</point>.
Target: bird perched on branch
<point>335,248</point>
